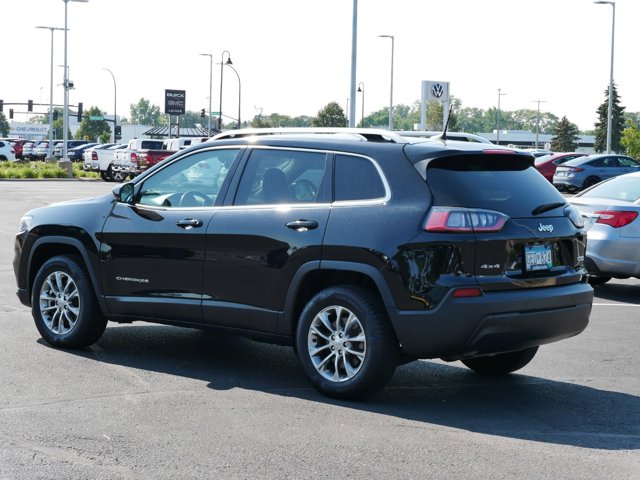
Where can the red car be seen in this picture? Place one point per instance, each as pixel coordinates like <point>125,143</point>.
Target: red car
<point>547,164</point>
<point>17,146</point>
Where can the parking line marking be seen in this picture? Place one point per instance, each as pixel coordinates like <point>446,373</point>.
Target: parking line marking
<point>615,305</point>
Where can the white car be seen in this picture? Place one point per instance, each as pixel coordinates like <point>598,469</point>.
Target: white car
<point>7,152</point>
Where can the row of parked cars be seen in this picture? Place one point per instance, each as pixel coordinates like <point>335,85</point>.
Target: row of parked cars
<point>572,172</point>
<point>26,150</point>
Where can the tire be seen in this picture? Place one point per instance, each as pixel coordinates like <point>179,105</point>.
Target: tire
<point>501,363</point>
<point>594,281</point>
<point>118,176</point>
<point>105,175</point>
<point>64,306</point>
<point>354,319</point>
<point>590,182</point>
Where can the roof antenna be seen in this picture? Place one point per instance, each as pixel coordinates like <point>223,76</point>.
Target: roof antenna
<point>446,126</point>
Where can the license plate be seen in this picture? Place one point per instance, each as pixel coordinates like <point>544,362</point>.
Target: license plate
<point>537,257</point>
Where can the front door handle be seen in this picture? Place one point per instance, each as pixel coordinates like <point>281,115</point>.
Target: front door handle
<point>302,225</point>
<point>189,223</point>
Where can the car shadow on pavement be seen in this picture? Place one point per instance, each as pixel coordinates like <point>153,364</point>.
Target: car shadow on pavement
<point>432,393</point>
<point>618,292</point>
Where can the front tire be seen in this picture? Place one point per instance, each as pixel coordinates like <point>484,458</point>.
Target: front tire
<point>345,343</point>
<point>501,363</point>
<point>64,306</point>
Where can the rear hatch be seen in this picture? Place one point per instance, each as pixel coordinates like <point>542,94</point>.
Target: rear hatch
<point>513,229</point>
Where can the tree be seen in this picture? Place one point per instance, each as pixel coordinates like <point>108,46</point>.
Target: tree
<point>331,115</point>
<point>617,123</point>
<point>4,125</point>
<point>631,139</point>
<point>92,130</point>
<point>565,136</point>
<point>143,113</point>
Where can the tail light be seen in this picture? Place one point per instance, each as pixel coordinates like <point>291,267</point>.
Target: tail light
<point>571,169</point>
<point>94,155</point>
<point>456,219</point>
<point>616,219</point>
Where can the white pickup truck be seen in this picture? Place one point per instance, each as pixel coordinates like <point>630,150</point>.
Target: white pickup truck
<point>125,162</point>
<point>99,159</point>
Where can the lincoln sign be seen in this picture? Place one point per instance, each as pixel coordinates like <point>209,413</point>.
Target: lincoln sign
<point>174,102</point>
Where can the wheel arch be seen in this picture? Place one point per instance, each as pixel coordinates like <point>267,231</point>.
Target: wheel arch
<point>48,247</point>
<point>316,276</point>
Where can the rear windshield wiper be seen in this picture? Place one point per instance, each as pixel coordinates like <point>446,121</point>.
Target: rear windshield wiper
<point>545,207</point>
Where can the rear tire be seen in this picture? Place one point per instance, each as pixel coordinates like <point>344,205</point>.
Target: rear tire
<point>64,306</point>
<point>594,281</point>
<point>501,363</point>
<point>345,343</point>
<point>590,182</point>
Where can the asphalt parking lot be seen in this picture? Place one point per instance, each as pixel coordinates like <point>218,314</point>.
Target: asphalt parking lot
<point>160,402</point>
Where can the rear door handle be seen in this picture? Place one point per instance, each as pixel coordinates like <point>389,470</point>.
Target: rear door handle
<point>302,225</point>
<point>189,223</point>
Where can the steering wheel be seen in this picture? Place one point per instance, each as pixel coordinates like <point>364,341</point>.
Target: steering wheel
<point>304,190</point>
<point>194,198</point>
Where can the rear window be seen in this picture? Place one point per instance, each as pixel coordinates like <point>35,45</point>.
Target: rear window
<point>504,183</point>
<point>151,145</point>
<point>626,188</point>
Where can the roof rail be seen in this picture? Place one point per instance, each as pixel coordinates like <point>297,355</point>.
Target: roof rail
<point>362,134</point>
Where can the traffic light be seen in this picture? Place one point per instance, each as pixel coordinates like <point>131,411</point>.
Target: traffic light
<point>11,113</point>
<point>202,114</point>
<point>1,105</point>
<point>55,115</point>
<point>30,106</point>
<point>79,111</point>
<point>118,132</point>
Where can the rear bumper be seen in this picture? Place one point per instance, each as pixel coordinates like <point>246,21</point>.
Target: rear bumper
<point>612,257</point>
<point>496,322</point>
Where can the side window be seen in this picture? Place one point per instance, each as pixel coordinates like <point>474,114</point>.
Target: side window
<point>282,176</point>
<point>627,162</point>
<point>598,162</point>
<point>192,181</point>
<point>357,178</point>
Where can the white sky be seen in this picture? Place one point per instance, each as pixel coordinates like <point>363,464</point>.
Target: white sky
<point>294,56</point>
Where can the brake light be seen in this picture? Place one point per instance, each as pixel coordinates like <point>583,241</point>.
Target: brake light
<point>492,152</point>
<point>571,169</point>
<point>134,157</point>
<point>94,155</point>
<point>456,219</point>
<point>616,219</point>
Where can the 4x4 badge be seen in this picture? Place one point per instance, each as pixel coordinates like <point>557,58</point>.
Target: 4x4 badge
<point>545,228</point>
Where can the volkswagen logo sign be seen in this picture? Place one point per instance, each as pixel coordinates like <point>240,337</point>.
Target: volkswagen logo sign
<point>437,90</point>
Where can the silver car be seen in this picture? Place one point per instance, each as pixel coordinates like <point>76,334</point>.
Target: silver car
<point>610,211</point>
<point>584,172</point>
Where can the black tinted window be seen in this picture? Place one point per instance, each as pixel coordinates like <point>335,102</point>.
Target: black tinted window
<point>503,183</point>
<point>357,178</point>
<point>282,176</point>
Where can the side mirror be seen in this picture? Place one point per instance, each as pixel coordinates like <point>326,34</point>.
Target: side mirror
<point>124,193</point>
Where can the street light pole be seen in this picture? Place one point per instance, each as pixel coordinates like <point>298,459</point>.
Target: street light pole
<point>115,103</point>
<point>613,36</point>
<point>210,87</point>
<point>239,92</point>
<point>538,119</point>
<point>361,90</point>
<point>65,111</point>
<point>391,87</point>
<point>50,153</point>
<point>229,62</point>
<point>500,94</point>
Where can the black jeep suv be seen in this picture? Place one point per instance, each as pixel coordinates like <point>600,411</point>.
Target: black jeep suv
<point>360,248</point>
